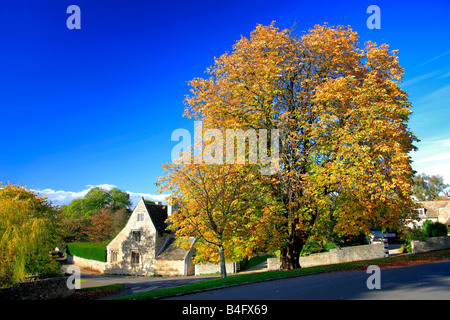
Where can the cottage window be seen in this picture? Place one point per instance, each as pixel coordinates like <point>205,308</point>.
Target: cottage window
<point>420,212</point>
<point>114,255</point>
<point>140,216</point>
<point>136,236</point>
<point>134,257</point>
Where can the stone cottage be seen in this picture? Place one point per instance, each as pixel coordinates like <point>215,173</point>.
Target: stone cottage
<point>435,210</point>
<point>146,247</point>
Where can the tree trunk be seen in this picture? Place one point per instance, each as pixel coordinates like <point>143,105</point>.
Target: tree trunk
<point>290,254</point>
<point>223,270</point>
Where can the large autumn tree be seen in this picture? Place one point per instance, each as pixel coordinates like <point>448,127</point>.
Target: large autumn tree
<point>344,139</point>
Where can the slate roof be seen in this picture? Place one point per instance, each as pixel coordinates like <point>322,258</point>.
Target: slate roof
<point>158,214</point>
<point>173,252</point>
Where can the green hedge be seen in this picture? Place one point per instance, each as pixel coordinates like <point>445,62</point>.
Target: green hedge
<point>88,250</point>
<point>434,229</point>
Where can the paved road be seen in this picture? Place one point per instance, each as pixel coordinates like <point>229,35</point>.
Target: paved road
<point>140,284</point>
<point>134,284</point>
<point>424,281</point>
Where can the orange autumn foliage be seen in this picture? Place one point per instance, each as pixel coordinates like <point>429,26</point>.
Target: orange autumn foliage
<point>343,121</point>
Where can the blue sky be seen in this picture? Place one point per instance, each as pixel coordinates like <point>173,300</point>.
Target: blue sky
<point>97,106</point>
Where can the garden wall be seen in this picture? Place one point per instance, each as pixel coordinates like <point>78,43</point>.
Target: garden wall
<point>47,289</point>
<point>339,255</point>
<point>431,244</point>
<point>209,268</point>
<point>89,264</point>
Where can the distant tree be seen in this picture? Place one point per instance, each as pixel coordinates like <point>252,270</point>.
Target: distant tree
<point>98,216</point>
<point>29,231</point>
<point>106,224</point>
<point>427,187</point>
<point>76,229</point>
<point>97,199</point>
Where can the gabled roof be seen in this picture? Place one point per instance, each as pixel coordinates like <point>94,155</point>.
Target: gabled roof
<point>447,222</point>
<point>432,207</point>
<point>158,214</point>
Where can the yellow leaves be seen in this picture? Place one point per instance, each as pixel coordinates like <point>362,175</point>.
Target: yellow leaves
<point>242,81</point>
<point>221,204</point>
<point>344,138</point>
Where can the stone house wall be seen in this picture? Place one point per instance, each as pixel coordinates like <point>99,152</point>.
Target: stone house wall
<point>153,245</point>
<point>169,267</point>
<point>124,245</point>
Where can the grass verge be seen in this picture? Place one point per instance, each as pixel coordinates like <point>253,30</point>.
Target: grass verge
<point>235,280</point>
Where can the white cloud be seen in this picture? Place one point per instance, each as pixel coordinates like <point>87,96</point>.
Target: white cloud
<point>436,157</point>
<point>61,197</point>
<point>135,196</point>
<point>103,186</point>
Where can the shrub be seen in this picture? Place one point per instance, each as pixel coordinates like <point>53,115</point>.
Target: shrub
<point>316,246</point>
<point>414,234</point>
<point>330,245</point>
<point>88,250</point>
<point>311,246</point>
<point>434,229</point>
<point>430,229</point>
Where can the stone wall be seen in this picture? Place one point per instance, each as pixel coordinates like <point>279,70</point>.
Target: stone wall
<point>47,289</point>
<point>169,267</point>
<point>339,255</point>
<point>431,244</point>
<point>209,268</point>
<point>89,264</point>
<point>273,264</point>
